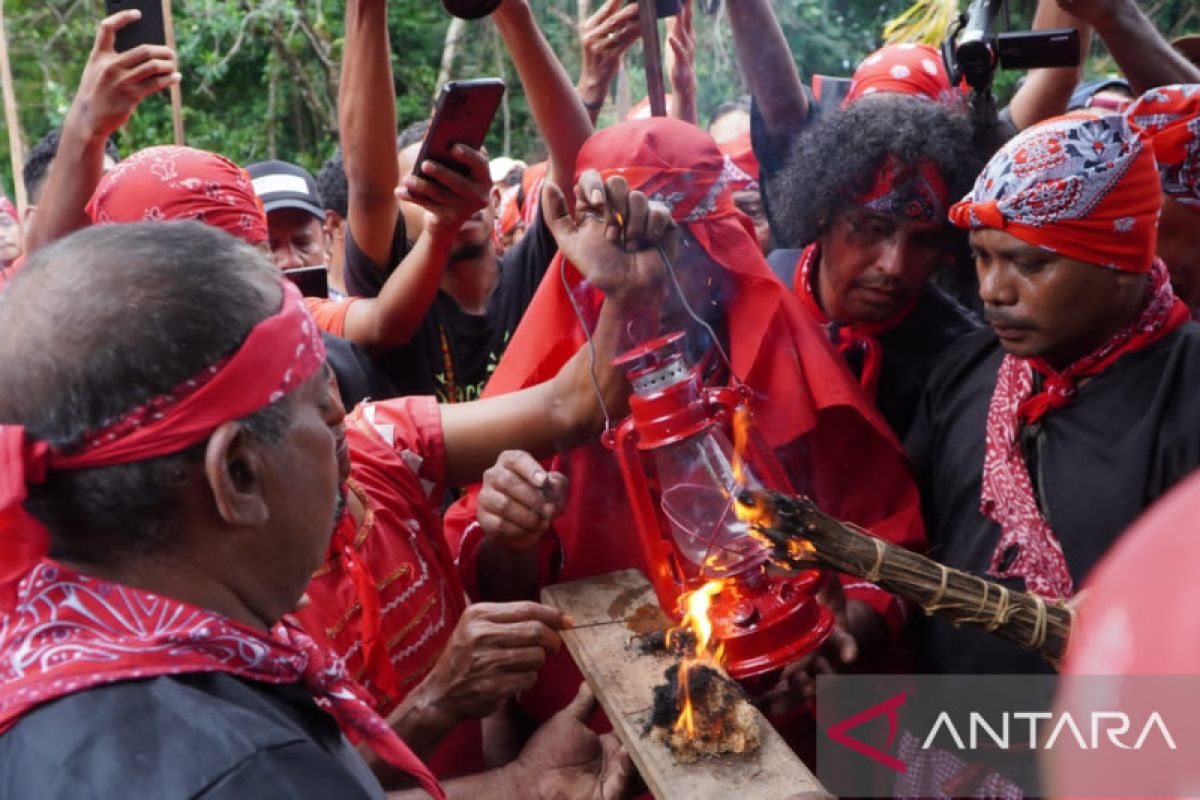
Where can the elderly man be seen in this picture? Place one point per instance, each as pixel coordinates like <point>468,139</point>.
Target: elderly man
<point>188,484</point>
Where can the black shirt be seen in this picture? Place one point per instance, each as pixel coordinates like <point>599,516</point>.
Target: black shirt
<point>1130,434</point>
<point>910,350</point>
<point>449,339</point>
<point>207,735</point>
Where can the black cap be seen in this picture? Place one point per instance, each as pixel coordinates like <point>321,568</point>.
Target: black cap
<point>282,185</point>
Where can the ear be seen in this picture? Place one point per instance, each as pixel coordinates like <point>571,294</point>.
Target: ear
<point>494,197</point>
<point>235,469</point>
<point>333,223</point>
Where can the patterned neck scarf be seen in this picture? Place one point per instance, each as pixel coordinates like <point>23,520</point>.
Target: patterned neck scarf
<point>70,632</point>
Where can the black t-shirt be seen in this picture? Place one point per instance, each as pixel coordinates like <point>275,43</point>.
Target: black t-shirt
<point>450,341</point>
<point>910,350</point>
<point>209,735</point>
<point>1131,433</point>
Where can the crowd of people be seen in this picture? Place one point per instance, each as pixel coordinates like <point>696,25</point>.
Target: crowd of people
<point>287,459</point>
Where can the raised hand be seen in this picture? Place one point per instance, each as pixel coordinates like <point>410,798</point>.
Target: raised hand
<point>614,237</point>
<point>449,197</point>
<point>681,58</point>
<point>604,38</point>
<point>113,84</point>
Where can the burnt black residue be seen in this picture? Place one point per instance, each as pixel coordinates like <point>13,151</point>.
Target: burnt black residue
<point>683,643</point>
<point>666,709</point>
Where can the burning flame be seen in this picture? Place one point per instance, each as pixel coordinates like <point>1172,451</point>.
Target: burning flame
<point>707,651</point>
<point>741,443</point>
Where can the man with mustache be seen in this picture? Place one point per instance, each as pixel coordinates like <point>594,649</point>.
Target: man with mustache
<point>865,194</point>
<point>1040,440</point>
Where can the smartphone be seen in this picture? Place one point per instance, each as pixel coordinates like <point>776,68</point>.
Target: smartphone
<point>311,281</point>
<point>463,114</point>
<point>150,29</point>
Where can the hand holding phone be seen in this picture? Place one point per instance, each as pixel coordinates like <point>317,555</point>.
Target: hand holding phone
<point>149,29</point>
<point>463,114</point>
<point>114,83</point>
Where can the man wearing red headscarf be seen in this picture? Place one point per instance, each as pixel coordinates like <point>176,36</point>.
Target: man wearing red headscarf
<point>804,401</point>
<point>742,168</point>
<point>1038,441</point>
<point>1170,115</point>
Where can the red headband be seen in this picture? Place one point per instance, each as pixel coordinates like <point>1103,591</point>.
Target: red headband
<point>741,167</point>
<point>918,193</point>
<point>915,70</point>
<point>1171,116</point>
<point>278,355</point>
<point>1080,185</point>
<point>170,182</point>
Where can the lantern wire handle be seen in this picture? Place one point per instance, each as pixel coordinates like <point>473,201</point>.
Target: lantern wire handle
<point>562,274</point>
<point>716,340</point>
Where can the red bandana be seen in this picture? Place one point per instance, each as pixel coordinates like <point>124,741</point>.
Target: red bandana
<point>741,167</point>
<point>69,632</point>
<point>918,193</point>
<point>1082,186</point>
<point>181,183</point>
<point>1008,496</point>
<point>278,355</point>
<point>915,70</point>
<point>1171,116</point>
<point>846,338</point>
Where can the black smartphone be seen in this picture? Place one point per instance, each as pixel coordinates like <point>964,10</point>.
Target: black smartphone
<point>150,29</point>
<point>463,114</point>
<point>311,281</point>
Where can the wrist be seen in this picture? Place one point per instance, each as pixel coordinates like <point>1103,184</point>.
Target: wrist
<point>592,90</point>
<point>78,134</point>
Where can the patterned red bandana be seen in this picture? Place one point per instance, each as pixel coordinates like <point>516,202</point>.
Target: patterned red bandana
<point>170,182</point>
<point>741,167</point>
<point>70,632</point>
<point>1171,116</point>
<point>1083,186</point>
<point>917,193</point>
<point>277,356</point>
<point>1008,497</point>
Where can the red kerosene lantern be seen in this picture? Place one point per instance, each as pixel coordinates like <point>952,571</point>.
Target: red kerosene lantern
<point>680,473</point>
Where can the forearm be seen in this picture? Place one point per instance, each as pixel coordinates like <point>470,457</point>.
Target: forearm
<point>421,723</point>
<point>1046,92</point>
<point>683,102</point>
<point>74,175</point>
<point>392,318</point>
<point>1143,55</point>
<point>592,93</point>
<point>541,419</point>
<point>767,63</point>
<point>367,122</point>
<point>559,113</point>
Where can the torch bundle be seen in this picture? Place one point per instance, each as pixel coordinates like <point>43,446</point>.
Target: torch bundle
<point>797,534</point>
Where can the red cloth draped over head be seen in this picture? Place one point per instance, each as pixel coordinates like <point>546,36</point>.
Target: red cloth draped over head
<point>531,190</point>
<point>741,165</point>
<point>1171,117</point>
<point>916,70</point>
<point>804,396</point>
<point>181,183</point>
<point>1080,185</point>
<point>278,355</point>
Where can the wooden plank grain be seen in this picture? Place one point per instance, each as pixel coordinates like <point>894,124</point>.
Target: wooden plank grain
<point>623,679</point>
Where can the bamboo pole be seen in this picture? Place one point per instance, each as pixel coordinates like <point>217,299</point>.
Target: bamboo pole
<point>12,120</point>
<point>177,88</point>
<point>648,18</point>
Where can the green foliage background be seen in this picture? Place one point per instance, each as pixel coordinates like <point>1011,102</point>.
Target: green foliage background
<point>260,76</point>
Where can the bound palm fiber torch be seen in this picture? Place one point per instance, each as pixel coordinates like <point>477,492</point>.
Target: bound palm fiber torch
<point>797,534</point>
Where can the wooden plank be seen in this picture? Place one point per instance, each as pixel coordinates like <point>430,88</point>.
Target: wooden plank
<point>623,679</point>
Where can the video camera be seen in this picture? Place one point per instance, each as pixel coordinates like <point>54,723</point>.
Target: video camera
<point>974,51</point>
